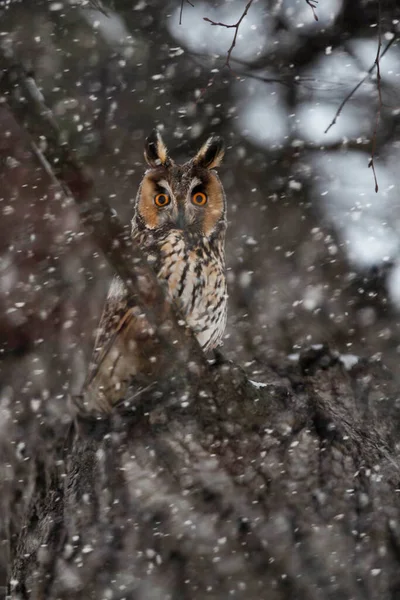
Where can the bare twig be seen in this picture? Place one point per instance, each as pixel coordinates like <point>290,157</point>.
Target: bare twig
<point>181,11</point>
<point>356,87</point>
<point>371,163</point>
<point>234,26</point>
<point>313,5</point>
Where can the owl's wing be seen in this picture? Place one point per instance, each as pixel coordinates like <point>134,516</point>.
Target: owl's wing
<point>115,358</point>
<point>115,318</point>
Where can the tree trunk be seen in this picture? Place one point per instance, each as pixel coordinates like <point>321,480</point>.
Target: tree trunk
<point>286,490</point>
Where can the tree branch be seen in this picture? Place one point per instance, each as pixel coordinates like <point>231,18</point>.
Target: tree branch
<point>181,11</point>
<point>371,163</point>
<point>359,84</point>
<point>313,5</point>
<point>235,26</point>
<point>376,64</point>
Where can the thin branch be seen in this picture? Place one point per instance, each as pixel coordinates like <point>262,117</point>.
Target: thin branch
<point>181,11</point>
<point>288,82</point>
<point>356,87</point>
<point>371,163</point>
<point>285,80</point>
<point>313,5</point>
<point>235,26</point>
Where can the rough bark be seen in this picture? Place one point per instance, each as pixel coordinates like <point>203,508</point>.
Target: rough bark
<point>283,491</point>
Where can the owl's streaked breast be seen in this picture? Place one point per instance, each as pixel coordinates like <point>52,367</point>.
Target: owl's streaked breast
<point>194,274</point>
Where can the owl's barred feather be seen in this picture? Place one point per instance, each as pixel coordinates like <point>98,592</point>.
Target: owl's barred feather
<point>179,222</point>
<point>193,272</point>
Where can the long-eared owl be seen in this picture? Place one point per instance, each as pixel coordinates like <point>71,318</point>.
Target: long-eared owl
<point>179,223</point>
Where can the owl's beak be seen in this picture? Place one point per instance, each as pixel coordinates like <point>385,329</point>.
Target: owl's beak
<point>180,219</point>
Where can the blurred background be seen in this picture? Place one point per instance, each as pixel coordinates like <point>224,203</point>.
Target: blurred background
<point>313,252</point>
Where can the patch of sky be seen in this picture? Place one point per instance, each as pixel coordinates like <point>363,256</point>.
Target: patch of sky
<point>263,115</point>
<point>298,15</point>
<point>366,222</point>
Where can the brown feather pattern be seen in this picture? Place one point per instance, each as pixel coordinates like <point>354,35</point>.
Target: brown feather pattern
<point>184,244</point>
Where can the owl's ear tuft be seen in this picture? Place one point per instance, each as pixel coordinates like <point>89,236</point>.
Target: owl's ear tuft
<point>155,151</point>
<point>211,153</point>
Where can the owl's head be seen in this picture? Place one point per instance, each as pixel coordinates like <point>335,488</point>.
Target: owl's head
<point>187,197</point>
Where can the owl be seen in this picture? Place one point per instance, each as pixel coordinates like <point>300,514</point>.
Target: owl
<point>179,222</point>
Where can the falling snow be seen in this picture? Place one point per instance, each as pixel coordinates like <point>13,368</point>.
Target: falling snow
<point>312,258</point>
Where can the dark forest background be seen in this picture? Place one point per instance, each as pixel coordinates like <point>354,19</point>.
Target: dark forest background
<point>312,250</point>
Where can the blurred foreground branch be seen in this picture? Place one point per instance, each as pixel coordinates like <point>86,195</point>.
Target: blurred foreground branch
<point>58,159</point>
<point>19,90</point>
<point>377,63</point>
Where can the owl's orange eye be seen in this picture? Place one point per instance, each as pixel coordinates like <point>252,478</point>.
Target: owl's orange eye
<point>199,198</point>
<point>162,200</point>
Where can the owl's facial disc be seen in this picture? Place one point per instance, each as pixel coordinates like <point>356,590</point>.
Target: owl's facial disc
<point>187,197</point>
